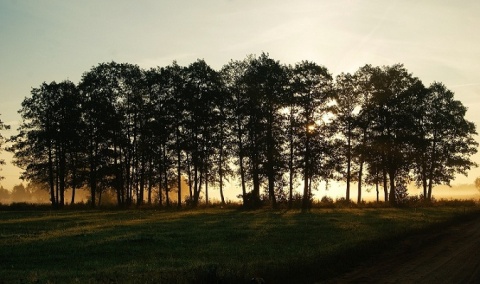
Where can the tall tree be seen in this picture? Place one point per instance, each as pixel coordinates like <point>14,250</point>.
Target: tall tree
<point>202,123</point>
<point>161,131</point>
<point>292,127</point>
<point>174,87</point>
<point>113,99</point>
<point>393,110</point>
<point>312,85</point>
<point>446,139</point>
<point>48,135</point>
<point>346,109</point>
<point>232,74</point>
<point>362,152</point>
<point>266,82</point>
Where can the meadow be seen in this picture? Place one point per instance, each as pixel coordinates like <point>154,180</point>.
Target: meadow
<point>208,245</point>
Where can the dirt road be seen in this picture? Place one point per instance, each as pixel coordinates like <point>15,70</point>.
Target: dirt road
<point>451,255</point>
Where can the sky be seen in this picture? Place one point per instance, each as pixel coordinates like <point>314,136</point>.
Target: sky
<point>54,40</point>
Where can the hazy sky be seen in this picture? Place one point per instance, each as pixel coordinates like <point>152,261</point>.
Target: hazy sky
<point>50,40</point>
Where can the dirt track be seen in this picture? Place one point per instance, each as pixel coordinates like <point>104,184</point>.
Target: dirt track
<point>448,256</point>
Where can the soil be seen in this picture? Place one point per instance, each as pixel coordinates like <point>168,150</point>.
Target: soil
<point>448,255</point>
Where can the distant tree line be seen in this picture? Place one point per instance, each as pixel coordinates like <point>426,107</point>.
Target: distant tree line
<point>22,194</point>
<point>268,126</point>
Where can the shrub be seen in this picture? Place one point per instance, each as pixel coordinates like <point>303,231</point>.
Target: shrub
<point>325,202</point>
<point>343,202</point>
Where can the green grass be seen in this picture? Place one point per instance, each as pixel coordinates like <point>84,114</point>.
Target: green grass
<point>200,246</point>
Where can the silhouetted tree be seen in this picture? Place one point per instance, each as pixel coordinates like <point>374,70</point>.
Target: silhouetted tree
<point>174,88</point>
<point>232,74</point>
<point>202,123</point>
<point>393,110</point>
<point>346,109</point>
<point>293,126</point>
<point>113,112</point>
<point>446,139</point>
<point>131,131</point>
<point>312,85</point>
<point>47,136</point>
<point>161,131</point>
<point>266,82</point>
<point>4,195</point>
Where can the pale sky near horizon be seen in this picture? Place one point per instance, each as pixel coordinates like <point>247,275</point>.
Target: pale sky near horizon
<point>54,40</point>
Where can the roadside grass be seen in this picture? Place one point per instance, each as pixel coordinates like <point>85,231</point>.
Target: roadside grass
<point>204,245</point>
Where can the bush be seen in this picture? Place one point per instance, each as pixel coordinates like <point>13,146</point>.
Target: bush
<point>343,202</point>
<point>326,202</point>
<point>252,201</point>
<point>455,203</point>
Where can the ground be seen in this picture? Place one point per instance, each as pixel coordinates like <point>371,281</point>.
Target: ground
<point>449,255</point>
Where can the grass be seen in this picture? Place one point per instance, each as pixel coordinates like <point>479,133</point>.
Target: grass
<point>200,246</point>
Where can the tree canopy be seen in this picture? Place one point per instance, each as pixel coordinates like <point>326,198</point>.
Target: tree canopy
<point>143,134</point>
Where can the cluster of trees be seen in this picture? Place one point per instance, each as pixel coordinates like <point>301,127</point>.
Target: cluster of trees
<point>268,126</point>
<point>20,193</point>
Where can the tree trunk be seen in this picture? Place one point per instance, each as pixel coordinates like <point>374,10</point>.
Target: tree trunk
<point>385,185</point>
<point>430,174</point>
<point>206,188</point>
<point>240,161</point>
<point>424,180</point>
<point>100,198</point>
<point>393,200</point>
<point>220,174</point>
<point>179,172</point>
<point>349,165</point>
<point>242,176</point>
<point>306,176</point>
<point>165,177</point>
<point>50,176</point>
<point>256,185</point>
<point>73,195</point>
<point>360,174</point>
<point>270,160</point>
<point>196,185</point>
<point>221,191</point>
<point>93,172</point>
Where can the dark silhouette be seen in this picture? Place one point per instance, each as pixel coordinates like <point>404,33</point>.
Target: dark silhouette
<point>137,132</point>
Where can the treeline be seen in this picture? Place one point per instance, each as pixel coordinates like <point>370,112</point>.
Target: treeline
<point>265,125</point>
<point>23,194</point>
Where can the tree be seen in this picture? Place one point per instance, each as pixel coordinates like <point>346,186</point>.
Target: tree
<point>3,126</point>
<point>232,74</point>
<point>446,139</point>
<point>362,152</point>
<point>477,183</point>
<point>393,109</point>
<point>292,127</point>
<point>161,131</point>
<point>265,83</point>
<point>47,135</point>
<point>103,130</point>
<point>312,87</point>
<point>20,194</point>
<point>346,108</point>
<point>4,195</point>
<point>113,114</point>
<point>174,88</point>
<point>202,123</point>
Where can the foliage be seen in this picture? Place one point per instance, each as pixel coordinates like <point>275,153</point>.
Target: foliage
<point>477,183</point>
<point>142,134</point>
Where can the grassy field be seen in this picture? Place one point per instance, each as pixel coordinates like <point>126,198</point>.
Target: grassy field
<point>201,246</point>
